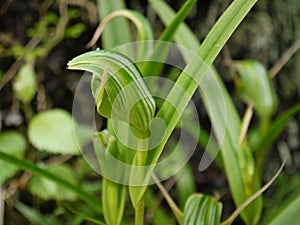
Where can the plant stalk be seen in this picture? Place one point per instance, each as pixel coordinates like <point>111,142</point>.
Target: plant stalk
<point>139,211</point>
<point>138,189</point>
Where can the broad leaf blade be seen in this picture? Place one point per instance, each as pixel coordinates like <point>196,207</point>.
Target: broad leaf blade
<point>52,131</point>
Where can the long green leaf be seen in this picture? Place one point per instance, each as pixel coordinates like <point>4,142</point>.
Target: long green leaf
<point>24,165</point>
<point>208,51</point>
<point>223,29</point>
<point>224,117</point>
<point>185,37</point>
<point>290,215</point>
<point>171,29</point>
<point>168,16</point>
<point>189,84</point>
<point>174,27</point>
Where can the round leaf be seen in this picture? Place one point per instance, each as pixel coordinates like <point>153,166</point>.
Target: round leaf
<point>52,131</point>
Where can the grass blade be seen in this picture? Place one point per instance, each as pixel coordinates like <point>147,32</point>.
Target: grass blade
<point>24,165</point>
<point>168,16</point>
<point>174,26</point>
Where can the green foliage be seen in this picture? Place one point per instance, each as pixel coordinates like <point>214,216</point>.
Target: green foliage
<point>167,15</point>
<point>113,194</point>
<point>255,87</point>
<point>34,216</point>
<point>49,189</point>
<point>25,165</point>
<point>160,216</point>
<point>25,83</point>
<point>243,146</point>
<point>284,194</point>
<point>113,200</point>
<point>75,31</point>
<point>262,143</point>
<point>185,184</point>
<point>202,210</point>
<point>289,215</point>
<point>117,32</point>
<point>40,27</point>
<point>52,131</point>
<point>12,143</point>
<point>113,92</point>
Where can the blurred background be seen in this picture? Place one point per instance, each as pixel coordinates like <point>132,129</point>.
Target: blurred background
<point>38,38</point>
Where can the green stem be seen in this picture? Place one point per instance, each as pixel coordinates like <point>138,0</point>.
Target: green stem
<point>263,129</point>
<point>139,211</point>
<point>137,193</point>
<point>264,125</point>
